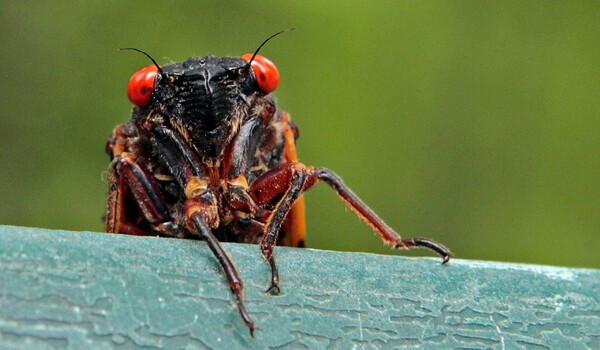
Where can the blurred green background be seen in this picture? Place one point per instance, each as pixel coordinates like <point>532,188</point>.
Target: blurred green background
<point>473,123</point>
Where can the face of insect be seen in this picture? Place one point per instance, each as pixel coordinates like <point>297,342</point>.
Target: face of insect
<point>204,99</point>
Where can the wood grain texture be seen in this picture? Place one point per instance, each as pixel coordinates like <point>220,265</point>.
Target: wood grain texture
<point>82,290</point>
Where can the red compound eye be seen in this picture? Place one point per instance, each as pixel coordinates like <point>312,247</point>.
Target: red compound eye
<point>141,86</point>
<point>266,73</point>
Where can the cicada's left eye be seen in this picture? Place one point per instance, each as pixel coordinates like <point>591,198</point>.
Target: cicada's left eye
<point>266,73</point>
<point>141,86</point>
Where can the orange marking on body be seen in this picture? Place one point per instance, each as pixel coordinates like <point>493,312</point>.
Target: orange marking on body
<point>295,223</point>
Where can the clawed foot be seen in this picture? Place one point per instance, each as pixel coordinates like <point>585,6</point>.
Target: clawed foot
<point>274,289</point>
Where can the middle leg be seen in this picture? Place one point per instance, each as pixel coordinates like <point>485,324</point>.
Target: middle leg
<point>283,185</point>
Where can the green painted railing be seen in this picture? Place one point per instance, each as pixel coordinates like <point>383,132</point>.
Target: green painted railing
<point>83,290</point>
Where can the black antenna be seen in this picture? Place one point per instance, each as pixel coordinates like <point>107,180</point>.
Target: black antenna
<point>264,42</point>
<point>150,57</point>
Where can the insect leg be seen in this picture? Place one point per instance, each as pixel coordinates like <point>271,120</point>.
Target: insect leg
<point>126,177</point>
<point>200,207</point>
<point>235,162</point>
<point>387,234</point>
<point>242,148</point>
<point>182,162</point>
<point>289,178</point>
<point>235,282</point>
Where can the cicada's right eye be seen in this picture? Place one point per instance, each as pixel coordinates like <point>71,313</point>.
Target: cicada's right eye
<point>141,86</point>
<point>265,71</point>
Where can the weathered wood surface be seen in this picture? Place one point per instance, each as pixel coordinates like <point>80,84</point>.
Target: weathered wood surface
<point>82,290</point>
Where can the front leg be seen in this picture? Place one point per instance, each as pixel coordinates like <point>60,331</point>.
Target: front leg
<point>200,207</point>
<point>235,163</point>
<point>235,282</point>
<point>127,179</point>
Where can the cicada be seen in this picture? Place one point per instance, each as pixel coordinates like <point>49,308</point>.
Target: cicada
<point>208,155</point>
